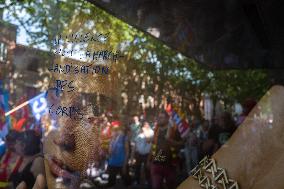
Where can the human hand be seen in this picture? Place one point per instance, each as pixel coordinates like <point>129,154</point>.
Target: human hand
<point>40,183</point>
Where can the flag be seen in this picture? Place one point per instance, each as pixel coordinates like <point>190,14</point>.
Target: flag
<point>178,120</point>
<point>4,106</point>
<point>38,105</point>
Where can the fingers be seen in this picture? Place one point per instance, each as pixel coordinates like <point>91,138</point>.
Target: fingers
<point>22,185</point>
<point>40,182</point>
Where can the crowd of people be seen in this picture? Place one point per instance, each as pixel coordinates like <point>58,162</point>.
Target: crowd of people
<point>136,153</point>
<point>22,161</point>
<point>152,153</point>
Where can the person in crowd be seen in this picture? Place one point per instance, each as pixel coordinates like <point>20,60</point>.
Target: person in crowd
<point>134,129</point>
<point>247,107</point>
<point>163,157</point>
<point>28,146</point>
<point>19,118</point>
<point>203,130</point>
<point>105,135</point>
<point>191,149</point>
<point>10,161</point>
<point>203,136</point>
<point>226,128</point>
<point>219,133</point>
<point>142,150</point>
<point>118,154</point>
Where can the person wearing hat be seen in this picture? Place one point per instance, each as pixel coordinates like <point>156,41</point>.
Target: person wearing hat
<point>118,153</point>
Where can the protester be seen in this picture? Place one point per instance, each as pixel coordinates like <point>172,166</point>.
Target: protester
<point>191,149</point>
<point>226,128</point>
<point>247,107</point>
<point>203,130</point>
<point>135,129</point>
<point>219,133</point>
<point>118,154</point>
<point>11,161</point>
<point>142,150</point>
<point>105,135</point>
<point>28,145</point>
<point>163,157</point>
<point>203,136</point>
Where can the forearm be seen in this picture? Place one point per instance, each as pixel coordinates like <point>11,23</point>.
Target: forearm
<point>254,155</point>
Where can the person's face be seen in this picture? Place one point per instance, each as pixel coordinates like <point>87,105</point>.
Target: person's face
<point>162,119</point>
<point>135,119</point>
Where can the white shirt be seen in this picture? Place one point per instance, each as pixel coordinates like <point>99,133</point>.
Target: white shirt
<point>142,143</point>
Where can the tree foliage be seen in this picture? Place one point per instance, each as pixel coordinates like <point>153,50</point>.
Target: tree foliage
<point>150,68</point>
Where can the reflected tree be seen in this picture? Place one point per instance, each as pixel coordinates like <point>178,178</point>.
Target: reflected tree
<point>149,69</point>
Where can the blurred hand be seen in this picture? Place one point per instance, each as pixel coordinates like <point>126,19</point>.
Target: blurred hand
<point>39,183</point>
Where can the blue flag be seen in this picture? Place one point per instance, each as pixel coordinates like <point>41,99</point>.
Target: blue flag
<point>38,105</point>
<point>4,107</point>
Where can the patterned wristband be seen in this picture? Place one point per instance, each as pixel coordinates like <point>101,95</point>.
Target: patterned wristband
<point>219,175</point>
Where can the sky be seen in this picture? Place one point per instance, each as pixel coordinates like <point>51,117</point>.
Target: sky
<point>22,36</point>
